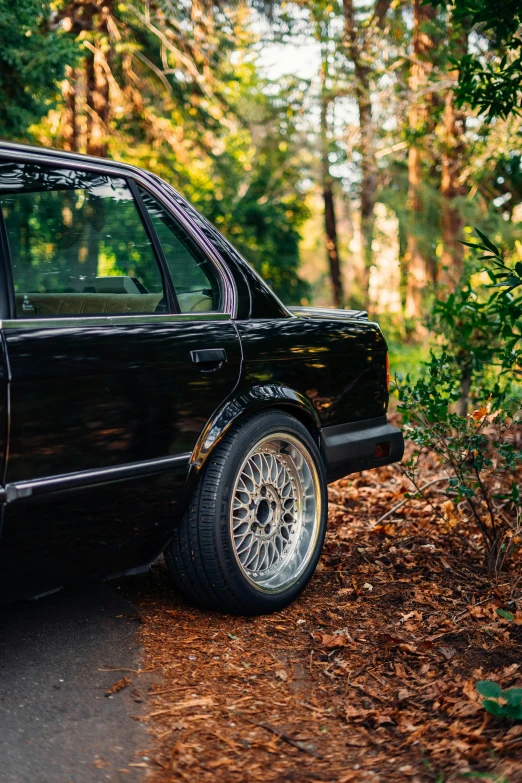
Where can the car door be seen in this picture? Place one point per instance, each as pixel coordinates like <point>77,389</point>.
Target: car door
<point>110,383</point>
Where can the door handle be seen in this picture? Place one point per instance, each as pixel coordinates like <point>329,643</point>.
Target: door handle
<point>209,356</point>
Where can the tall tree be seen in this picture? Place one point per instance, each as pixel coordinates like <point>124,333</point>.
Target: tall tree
<point>69,121</point>
<point>126,48</point>
<point>156,86</point>
<point>452,187</point>
<point>416,260</point>
<point>97,73</point>
<point>359,42</point>
<point>327,186</point>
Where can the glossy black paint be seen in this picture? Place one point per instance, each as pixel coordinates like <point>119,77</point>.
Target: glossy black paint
<point>339,366</point>
<point>99,396</point>
<point>321,371</point>
<point>95,398</point>
<point>106,423</point>
<point>58,538</point>
<point>4,409</point>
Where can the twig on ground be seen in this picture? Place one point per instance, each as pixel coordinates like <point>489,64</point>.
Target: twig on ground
<point>366,692</point>
<point>403,502</point>
<point>266,726</point>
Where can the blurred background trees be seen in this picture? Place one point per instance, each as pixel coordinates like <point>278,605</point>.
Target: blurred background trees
<point>353,186</point>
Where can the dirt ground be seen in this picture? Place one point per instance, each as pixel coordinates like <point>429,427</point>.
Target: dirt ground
<point>369,676</point>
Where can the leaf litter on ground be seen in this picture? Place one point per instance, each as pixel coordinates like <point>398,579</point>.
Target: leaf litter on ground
<point>348,683</point>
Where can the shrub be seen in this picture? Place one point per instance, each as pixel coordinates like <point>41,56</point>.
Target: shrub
<point>476,450</point>
<point>478,359</point>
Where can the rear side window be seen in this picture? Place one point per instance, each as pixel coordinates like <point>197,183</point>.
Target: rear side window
<point>77,243</point>
<point>194,277</point>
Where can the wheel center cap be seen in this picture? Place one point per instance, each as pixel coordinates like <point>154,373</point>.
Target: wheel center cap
<point>263,512</point>
<point>266,513</point>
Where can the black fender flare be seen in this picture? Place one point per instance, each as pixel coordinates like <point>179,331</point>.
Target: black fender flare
<point>247,402</point>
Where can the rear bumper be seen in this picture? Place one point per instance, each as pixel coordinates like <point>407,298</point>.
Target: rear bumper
<point>360,445</point>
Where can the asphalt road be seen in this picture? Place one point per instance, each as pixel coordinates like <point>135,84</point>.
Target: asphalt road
<point>56,724</point>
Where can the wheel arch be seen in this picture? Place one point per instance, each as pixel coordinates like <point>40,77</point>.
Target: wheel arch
<point>243,404</point>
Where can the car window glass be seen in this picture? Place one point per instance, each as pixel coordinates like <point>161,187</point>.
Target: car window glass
<point>193,275</point>
<point>264,304</point>
<point>77,244</point>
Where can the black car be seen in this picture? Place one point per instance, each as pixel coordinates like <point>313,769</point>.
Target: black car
<point>156,396</point>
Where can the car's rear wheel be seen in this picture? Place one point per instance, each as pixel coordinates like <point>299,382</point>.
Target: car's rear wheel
<point>252,535</point>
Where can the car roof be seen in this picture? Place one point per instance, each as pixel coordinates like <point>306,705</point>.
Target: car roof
<point>32,150</point>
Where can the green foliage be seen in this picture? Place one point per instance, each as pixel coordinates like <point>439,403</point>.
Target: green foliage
<point>33,54</point>
<point>491,87</point>
<point>502,17</point>
<point>406,359</point>
<point>182,96</point>
<point>500,703</point>
<point>480,324</point>
<point>477,451</point>
<point>491,82</point>
<point>471,330</point>
<point>249,183</point>
<point>478,359</point>
<point>255,194</point>
<point>502,310</point>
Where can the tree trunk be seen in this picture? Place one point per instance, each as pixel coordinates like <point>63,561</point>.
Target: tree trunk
<point>451,190</point>
<point>86,92</point>
<point>70,113</point>
<point>368,177</point>
<point>330,225</point>
<point>357,39</point>
<point>330,219</point>
<point>415,261</point>
<point>97,69</point>
<point>98,105</point>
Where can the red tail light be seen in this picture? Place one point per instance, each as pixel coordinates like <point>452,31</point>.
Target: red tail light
<point>382,450</point>
<point>387,371</point>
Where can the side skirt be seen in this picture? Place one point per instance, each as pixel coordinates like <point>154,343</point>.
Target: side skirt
<point>87,478</point>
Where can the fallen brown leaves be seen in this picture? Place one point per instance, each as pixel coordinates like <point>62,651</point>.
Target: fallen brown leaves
<point>117,686</point>
<point>368,677</point>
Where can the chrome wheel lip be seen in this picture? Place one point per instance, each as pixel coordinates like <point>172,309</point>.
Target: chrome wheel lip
<point>302,472</point>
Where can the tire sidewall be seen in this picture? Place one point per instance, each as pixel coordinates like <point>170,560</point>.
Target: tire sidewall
<point>251,599</point>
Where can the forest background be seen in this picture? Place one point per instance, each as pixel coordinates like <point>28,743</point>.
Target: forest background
<point>350,188</point>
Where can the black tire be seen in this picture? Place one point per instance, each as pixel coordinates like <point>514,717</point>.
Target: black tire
<point>202,558</point>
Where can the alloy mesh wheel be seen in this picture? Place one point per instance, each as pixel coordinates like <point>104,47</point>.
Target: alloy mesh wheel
<point>275,512</point>
<point>253,531</point>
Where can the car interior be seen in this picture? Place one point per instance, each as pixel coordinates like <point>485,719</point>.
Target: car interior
<point>37,305</point>
<point>79,247</point>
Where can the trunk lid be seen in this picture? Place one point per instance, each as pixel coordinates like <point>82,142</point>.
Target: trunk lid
<point>327,312</point>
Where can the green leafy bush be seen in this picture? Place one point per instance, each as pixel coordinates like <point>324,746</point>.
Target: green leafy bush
<point>478,361</point>
<point>477,451</point>
<point>504,304</point>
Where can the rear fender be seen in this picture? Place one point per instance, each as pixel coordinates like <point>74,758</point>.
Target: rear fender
<point>246,403</point>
